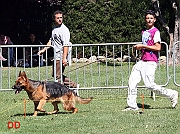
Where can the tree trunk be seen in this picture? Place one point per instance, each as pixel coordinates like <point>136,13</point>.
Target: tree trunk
<point>170,32</point>
<point>173,37</point>
<point>176,31</point>
<point>178,15</point>
<point>170,54</point>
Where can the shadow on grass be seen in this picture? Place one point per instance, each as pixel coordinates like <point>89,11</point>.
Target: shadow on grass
<point>41,114</point>
<point>145,106</point>
<point>45,114</point>
<point>149,107</point>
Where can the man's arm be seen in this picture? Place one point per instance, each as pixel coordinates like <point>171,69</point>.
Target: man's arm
<point>66,39</point>
<point>65,53</point>
<point>45,48</point>
<point>155,47</point>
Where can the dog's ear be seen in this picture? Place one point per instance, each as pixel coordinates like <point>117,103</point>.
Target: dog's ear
<point>24,78</point>
<point>19,73</point>
<point>23,74</point>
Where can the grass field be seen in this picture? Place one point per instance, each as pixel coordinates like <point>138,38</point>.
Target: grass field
<point>102,116</point>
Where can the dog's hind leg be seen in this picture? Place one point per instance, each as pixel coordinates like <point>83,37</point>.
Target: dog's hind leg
<point>56,109</point>
<point>68,101</point>
<point>70,107</point>
<point>74,110</point>
<point>42,102</point>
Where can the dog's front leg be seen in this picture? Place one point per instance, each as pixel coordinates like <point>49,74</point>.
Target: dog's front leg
<point>42,102</point>
<point>35,108</point>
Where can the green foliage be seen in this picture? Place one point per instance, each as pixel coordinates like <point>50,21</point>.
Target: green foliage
<point>89,21</point>
<point>104,21</point>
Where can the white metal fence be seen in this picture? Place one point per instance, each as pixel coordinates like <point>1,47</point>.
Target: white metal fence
<point>94,66</point>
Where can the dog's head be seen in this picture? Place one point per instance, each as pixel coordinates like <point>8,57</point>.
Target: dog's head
<point>20,83</point>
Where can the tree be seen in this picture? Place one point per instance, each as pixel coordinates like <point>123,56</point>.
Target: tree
<point>173,31</point>
<point>176,7</point>
<point>104,21</point>
<point>89,21</point>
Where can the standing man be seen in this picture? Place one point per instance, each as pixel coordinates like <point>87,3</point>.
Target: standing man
<point>146,67</point>
<point>60,38</point>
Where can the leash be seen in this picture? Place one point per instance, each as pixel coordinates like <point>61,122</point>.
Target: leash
<point>132,51</point>
<point>11,107</point>
<point>79,67</point>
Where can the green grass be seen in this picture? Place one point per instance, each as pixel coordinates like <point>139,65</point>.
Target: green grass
<point>102,116</point>
<point>91,75</point>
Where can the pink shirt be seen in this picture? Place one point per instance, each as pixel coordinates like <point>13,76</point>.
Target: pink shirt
<point>148,39</point>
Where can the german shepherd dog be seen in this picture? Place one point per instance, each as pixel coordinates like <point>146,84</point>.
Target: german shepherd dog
<point>42,91</point>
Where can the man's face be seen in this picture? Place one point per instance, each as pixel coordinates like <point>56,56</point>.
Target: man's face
<point>58,19</point>
<point>32,36</point>
<point>150,19</point>
<point>2,37</point>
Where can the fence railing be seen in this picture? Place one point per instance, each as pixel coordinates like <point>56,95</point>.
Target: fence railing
<point>94,66</point>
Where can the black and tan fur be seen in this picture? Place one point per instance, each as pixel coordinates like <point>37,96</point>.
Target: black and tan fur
<point>41,92</point>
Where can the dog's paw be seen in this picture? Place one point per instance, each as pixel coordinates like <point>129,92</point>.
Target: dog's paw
<point>53,112</point>
<point>49,112</point>
<point>41,110</point>
<point>75,110</point>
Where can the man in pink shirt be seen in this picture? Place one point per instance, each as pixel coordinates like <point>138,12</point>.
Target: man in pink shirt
<point>146,67</point>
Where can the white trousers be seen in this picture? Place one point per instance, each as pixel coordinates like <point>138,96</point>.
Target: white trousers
<point>146,71</point>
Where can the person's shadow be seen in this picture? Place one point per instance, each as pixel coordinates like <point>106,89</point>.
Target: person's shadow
<point>145,106</point>
<point>149,107</point>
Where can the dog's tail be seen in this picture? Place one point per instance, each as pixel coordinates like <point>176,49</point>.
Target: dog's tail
<point>83,100</point>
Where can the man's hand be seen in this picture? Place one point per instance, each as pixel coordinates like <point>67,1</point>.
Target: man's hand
<point>45,48</point>
<point>64,62</point>
<point>41,52</point>
<point>139,46</point>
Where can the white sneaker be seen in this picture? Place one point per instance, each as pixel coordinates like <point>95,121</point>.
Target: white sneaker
<point>130,109</point>
<point>174,100</point>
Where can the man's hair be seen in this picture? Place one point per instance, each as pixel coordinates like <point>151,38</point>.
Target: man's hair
<point>151,12</point>
<point>57,12</point>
